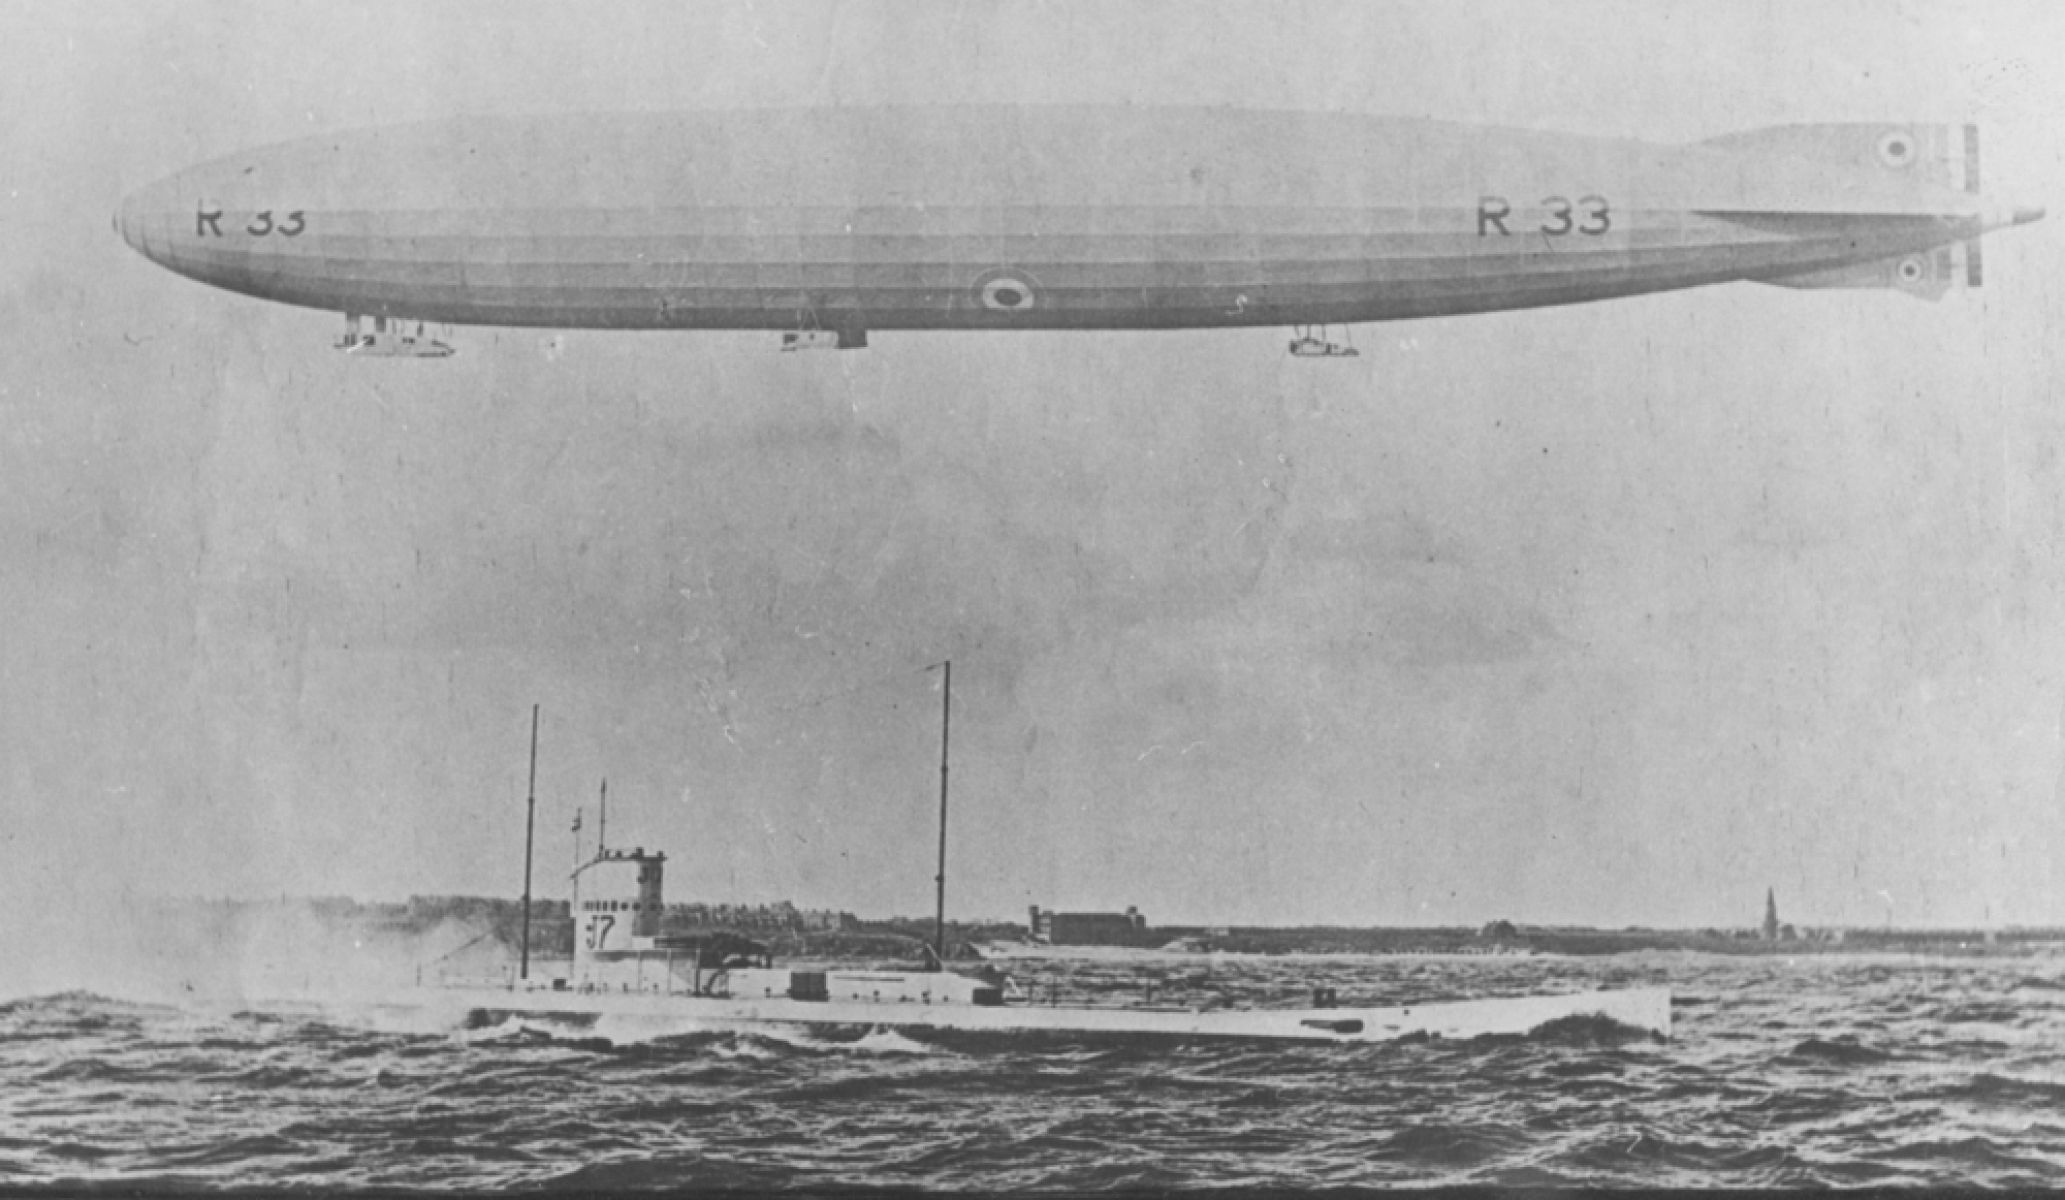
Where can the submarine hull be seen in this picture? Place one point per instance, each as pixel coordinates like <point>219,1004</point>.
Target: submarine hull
<point>1643,1010</point>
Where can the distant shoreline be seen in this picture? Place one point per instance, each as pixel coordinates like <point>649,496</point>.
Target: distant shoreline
<point>442,920</point>
<point>1561,942</point>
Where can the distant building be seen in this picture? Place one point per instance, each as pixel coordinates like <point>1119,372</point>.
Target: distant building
<point>1770,915</point>
<point>779,917</point>
<point>821,920</point>
<point>1128,928</point>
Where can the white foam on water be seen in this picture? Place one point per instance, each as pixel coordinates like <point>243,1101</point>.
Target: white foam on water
<point>746,1048</point>
<point>788,1035</point>
<point>400,1018</point>
<point>888,1041</point>
<point>509,1028</point>
<point>626,1030</point>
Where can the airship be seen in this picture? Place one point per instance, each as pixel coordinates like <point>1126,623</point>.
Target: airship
<point>825,224</point>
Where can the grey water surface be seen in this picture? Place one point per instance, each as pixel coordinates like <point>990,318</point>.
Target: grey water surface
<point>1833,1070</point>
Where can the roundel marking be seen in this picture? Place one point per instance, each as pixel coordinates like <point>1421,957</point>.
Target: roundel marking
<point>1006,290</point>
<point>1911,270</point>
<point>1896,149</point>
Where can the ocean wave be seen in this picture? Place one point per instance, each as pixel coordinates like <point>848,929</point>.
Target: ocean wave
<point>1846,1052</point>
<point>1986,1014</point>
<point>1981,1159</point>
<point>237,1152</point>
<point>74,1001</point>
<point>1989,1088</point>
<point>1447,1145</point>
<point>1677,1160</point>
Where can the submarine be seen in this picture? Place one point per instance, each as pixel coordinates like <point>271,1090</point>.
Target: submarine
<point>624,967</point>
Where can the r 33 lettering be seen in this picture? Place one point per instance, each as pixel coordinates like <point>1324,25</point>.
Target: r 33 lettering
<point>1590,215</point>
<point>262,224</point>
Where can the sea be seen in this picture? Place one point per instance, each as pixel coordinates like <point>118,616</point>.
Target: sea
<point>1822,1070</point>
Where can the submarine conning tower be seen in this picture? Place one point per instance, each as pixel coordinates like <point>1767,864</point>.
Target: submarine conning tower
<point>617,902</point>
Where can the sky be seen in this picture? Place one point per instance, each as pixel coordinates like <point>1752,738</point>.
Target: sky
<point>1616,614</point>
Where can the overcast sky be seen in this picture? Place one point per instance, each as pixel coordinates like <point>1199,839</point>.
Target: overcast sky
<point>1612,614</point>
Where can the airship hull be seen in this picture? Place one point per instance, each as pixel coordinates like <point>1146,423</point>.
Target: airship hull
<point>1024,218</point>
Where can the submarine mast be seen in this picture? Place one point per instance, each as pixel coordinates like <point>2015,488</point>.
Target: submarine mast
<point>946,702</point>
<point>530,816</point>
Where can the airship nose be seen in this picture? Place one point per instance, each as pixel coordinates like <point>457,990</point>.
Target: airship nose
<point>124,222</point>
<point>134,216</point>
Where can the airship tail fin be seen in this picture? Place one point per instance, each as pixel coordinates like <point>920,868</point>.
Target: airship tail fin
<point>1938,155</point>
<point>1928,274</point>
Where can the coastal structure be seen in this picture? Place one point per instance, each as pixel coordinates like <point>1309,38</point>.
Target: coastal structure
<point>757,919</point>
<point>1128,928</point>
